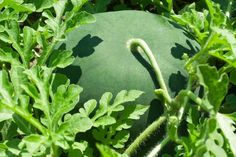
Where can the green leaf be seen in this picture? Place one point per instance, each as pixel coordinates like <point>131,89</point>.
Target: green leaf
<point>105,120</point>
<point>108,152</point>
<point>80,145</point>
<point>62,140</point>
<point>103,105</point>
<point>120,139</point>
<point>58,79</point>
<point>65,99</point>
<point>23,125</point>
<point>135,111</point>
<point>12,147</point>
<point>6,89</point>
<point>79,19</point>
<point>217,16</point>
<point>227,126</point>
<point>18,78</point>
<point>42,4</point>
<point>76,124</point>
<point>195,21</point>
<point>18,6</point>
<point>60,59</point>
<point>229,36</point>
<point>9,56</point>
<point>13,32</point>
<point>5,114</point>
<point>126,96</point>
<point>31,90</point>
<point>215,85</point>
<point>8,130</point>
<point>35,144</point>
<point>7,15</point>
<point>29,42</point>
<point>40,77</point>
<point>78,3</point>
<point>89,107</point>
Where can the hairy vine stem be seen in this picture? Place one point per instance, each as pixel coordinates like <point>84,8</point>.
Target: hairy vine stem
<point>141,46</point>
<point>158,147</point>
<point>139,43</point>
<point>144,135</point>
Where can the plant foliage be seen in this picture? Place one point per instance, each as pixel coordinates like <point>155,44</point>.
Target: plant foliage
<point>38,105</point>
<point>36,101</point>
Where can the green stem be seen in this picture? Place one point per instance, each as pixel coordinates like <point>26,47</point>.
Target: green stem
<point>229,8</point>
<point>158,147</point>
<point>182,108</point>
<point>199,101</point>
<point>202,51</point>
<point>54,151</point>
<point>28,117</point>
<point>139,43</point>
<point>144,135</point>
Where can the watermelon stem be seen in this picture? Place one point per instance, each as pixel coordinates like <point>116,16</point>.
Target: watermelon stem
<point>145,134</point>
<point>141,46</point>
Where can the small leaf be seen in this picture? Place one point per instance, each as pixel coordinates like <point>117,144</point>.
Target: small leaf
<point>18,79</point>
<point>23,125</point>
<point>226,125</point>
<point>105,120</point>
<point>42,4</point>
<point>9,56</point>
<point>65,99</point>
<point>103,105</point>
<point>79,19</point>
<point>137,111</point>
<point>13,32</point>
<point>126,96</point>
<point>120,139</point>
<point>9,130</point>
<point>58,79</point>
<point>60,59</point>
<point>29,41</point>
<point>89,107</point>
<point>215,85</point>
<point>31,90</point>
<point>12,147</point>
<point>6,89</point>
<point>80,145</point>
<point>76,124</point>
<point>35,143</point>
<point>5,114</point>
<point>217,16</point>
<point>17,5</point>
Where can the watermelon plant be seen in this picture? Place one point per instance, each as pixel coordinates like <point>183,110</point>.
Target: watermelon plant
<point>173,73</point>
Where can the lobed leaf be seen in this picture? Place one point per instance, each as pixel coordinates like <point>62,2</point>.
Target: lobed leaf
<point>76,124</point>
<point>35,144</point>
<point>227,126</point>
<point>64,100</point>
<point>60,59</point>
<point>215,85</point>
